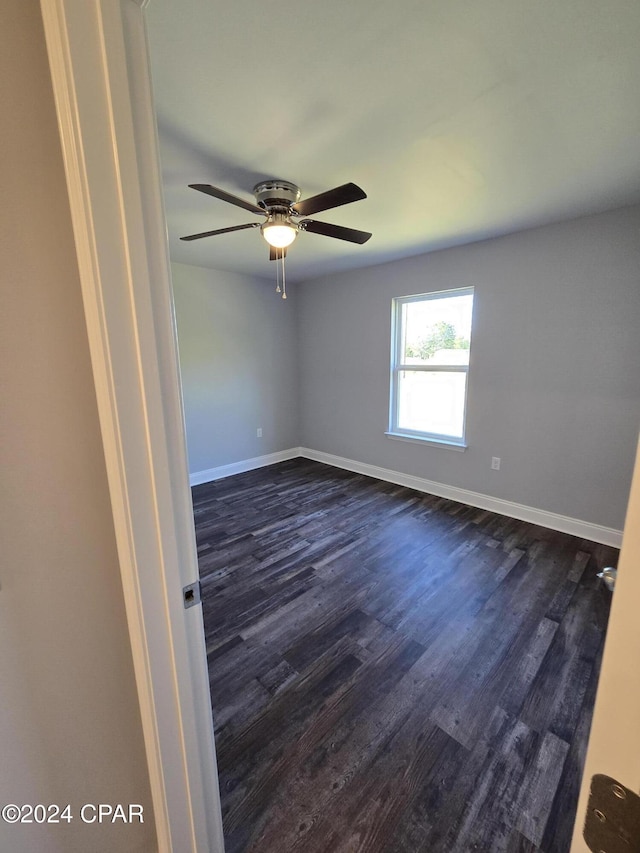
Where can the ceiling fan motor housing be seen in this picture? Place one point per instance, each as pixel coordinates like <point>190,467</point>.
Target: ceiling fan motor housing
<point>276,194</point>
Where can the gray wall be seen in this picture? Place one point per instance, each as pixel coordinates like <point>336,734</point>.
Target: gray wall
<point>554,386</point>
<point>70,728</point>
<point>238,359</point>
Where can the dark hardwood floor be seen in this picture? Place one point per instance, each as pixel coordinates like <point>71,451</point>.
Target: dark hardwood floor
<point>392,671</point>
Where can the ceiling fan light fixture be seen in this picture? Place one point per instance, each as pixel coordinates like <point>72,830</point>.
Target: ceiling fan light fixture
<point>279,231</point>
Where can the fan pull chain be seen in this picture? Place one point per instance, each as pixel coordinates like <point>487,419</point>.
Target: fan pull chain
<point>278,288</point>
<point>284,280</point>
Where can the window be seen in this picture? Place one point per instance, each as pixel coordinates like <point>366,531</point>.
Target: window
<point>431,341</point>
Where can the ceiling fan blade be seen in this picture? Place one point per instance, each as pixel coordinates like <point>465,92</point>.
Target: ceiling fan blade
<point>224,196</point>
<point>222,231</point>
<point>274,253</point>
<point>338,231</point>
<point>332,198</point>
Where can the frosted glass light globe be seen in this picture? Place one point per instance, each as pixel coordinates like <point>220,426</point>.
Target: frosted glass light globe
<point>279,234</point>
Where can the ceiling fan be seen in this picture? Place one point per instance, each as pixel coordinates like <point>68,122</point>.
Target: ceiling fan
<point>279,201</point>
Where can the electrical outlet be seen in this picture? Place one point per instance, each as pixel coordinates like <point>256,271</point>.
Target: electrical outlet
<point>495,463</point>
<point>259,432</point>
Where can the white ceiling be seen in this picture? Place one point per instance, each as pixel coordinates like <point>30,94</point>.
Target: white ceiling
<point>461,119</point>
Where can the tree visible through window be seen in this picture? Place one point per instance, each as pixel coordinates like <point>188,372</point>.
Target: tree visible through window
<point>430,365</point>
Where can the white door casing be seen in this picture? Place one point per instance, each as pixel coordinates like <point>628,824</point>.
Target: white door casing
<point>614,741</point>
<point>101,80</point>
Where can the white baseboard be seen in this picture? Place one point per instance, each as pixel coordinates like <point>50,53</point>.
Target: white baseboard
<point>562,523</point>
<point>200,477</point>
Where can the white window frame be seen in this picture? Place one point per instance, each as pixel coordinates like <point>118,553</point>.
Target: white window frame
<point>397,366</point>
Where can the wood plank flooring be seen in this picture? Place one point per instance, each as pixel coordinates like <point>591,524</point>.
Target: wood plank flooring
<point>393,672</point>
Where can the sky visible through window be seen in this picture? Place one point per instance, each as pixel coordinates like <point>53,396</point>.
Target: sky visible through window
<point>420,316</point>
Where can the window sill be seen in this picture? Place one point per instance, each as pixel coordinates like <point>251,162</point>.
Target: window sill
<point>436,442</point>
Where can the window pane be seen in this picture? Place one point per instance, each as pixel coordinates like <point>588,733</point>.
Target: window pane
<point>432,402</point>
<point>437,331</point>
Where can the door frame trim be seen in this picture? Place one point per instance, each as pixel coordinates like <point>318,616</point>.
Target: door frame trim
<point>99,63</point>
